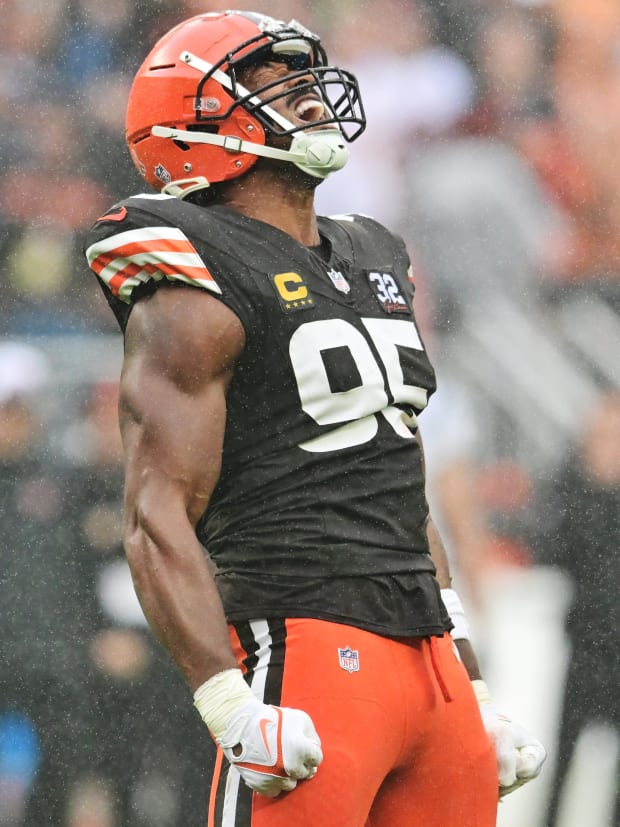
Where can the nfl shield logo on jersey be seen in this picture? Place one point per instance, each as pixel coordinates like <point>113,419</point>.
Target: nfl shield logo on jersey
<point>349,659</point>
<point>339,281</point>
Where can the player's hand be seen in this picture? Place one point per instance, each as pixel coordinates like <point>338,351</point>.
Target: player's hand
<point>520,756</point>
<point>272,747</point>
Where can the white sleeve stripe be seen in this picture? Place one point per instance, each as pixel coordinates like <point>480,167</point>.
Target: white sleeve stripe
<point>149,234</point>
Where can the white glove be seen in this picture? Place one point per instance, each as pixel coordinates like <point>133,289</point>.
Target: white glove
<point>520,756</point>
<point>272,747</point>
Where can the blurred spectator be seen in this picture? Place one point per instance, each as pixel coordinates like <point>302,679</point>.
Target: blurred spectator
<point>280,9</point>
<point>488,234</point>
<point>105,129</point>
<point>581,515</point>
<point>480,225</point>
<point>26,38</point>
<point>411,86</point>
<point>42,647</point>
<point>586,77</point>
<point>549,85</point>
<point>51,203</point>
<point>512,56</point>
<point>478,216</point>
<point>98,43</point>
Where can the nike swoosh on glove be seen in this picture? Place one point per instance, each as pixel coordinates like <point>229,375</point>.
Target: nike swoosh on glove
<point>520,756</point>
<point>272,747</point>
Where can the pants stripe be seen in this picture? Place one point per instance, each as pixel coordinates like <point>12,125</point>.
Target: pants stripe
<point>234,814</point>
<point>263,642</point>
<point>262,637</point>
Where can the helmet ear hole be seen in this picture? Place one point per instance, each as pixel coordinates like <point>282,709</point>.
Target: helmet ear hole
<point>193,127</point>
<point>199,127</point>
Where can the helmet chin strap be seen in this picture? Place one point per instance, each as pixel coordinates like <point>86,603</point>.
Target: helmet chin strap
<point>316,153</point>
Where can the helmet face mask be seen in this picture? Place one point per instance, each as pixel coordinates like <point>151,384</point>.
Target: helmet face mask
<point>307,62</point>
<point>191,117</point>
<point>336,88</point>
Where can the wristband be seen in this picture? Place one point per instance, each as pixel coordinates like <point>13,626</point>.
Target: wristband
<point>455,609</point>
<point>481,691</point>
<point>219,697</point>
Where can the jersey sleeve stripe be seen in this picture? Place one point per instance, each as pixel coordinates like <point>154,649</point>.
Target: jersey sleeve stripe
<point>122,284</point>
<point>141,235</point>
<point>160,245</point>
<point>108,264</point>
<point>128,259</point>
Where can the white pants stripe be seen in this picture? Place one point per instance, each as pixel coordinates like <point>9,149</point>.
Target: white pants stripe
<point>262,637</point>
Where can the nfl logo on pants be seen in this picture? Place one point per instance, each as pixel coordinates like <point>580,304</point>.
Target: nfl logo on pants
<point>349,659</point>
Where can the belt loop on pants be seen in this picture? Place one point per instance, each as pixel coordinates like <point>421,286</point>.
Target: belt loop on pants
<point>438,668</point>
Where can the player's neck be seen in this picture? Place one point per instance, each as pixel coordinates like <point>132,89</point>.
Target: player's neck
<point>279,202</point>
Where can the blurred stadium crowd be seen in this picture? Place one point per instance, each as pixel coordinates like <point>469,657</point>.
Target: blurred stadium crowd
<point>492,148</point>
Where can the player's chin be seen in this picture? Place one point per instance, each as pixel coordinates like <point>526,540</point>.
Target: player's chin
<point>286,171</point>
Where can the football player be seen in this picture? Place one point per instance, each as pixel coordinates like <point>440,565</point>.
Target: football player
<point>272,378</point>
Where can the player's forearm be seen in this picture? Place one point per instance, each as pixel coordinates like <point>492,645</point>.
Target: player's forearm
<point>469,659</point>
<point>179,597</point>
<point>440,559</point>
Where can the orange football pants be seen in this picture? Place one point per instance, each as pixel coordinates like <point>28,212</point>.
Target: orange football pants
<point>401,733</point>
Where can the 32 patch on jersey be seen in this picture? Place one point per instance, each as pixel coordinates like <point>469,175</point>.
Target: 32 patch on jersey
<point>388,293</point>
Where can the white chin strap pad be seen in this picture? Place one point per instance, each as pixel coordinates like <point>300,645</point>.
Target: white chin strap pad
<point>316,153</point>
<point>323,151</point>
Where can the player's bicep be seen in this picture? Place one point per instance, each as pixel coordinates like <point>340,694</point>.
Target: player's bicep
<point>180,354</point>
<point>172,448</point>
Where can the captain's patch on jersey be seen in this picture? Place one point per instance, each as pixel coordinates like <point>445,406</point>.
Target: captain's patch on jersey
<point>388,293</point>
<point>292,292</point>
<point>125,260</point>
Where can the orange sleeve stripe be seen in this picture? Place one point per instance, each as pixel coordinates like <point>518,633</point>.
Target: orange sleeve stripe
<point>130,270</point>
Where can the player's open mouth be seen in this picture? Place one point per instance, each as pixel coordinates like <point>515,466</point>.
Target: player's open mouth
<point>309,109</point>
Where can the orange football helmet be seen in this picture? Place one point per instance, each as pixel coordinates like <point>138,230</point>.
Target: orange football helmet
<point>191,123</point>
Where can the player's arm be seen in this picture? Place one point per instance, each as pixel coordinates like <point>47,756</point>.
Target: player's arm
<point>440,559</point>
<point>181,349</point>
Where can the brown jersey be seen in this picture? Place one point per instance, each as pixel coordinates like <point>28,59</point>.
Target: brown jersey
<point>320,508</point>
